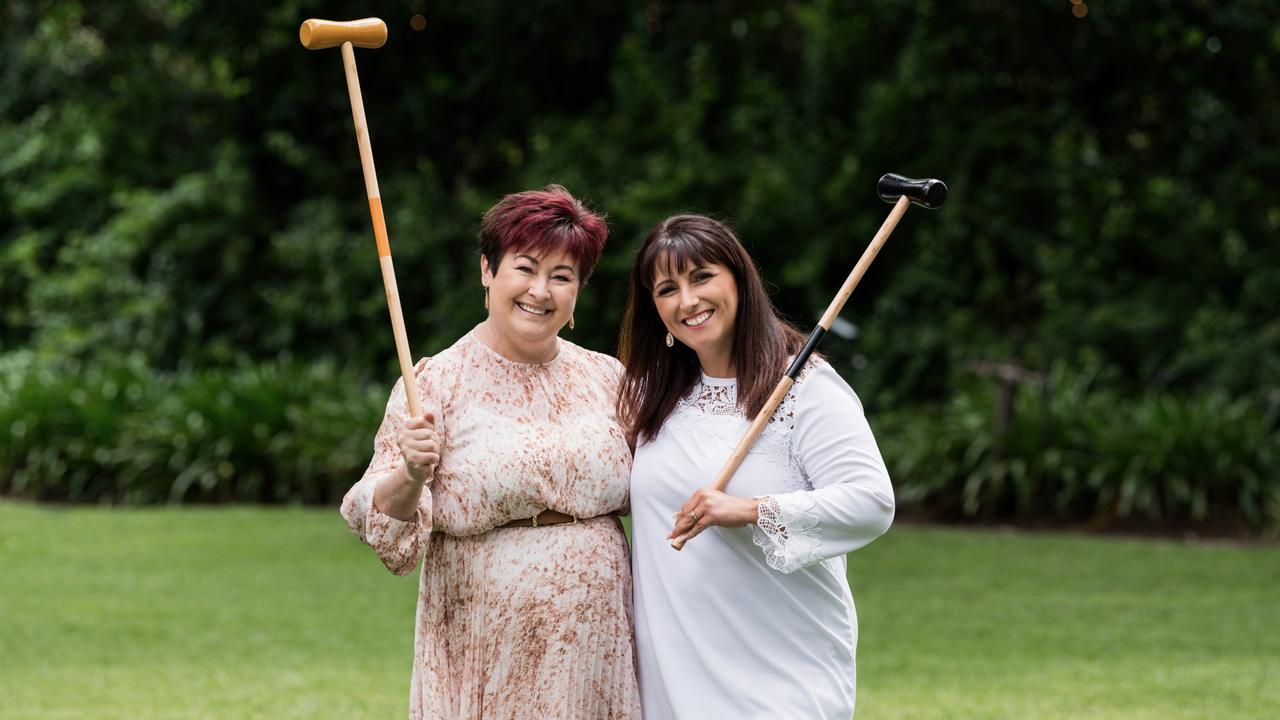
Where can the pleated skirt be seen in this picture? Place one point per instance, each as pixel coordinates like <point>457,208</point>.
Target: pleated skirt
<point>526,623</point>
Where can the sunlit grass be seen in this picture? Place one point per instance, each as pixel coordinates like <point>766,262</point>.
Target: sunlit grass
<point>197,613</point>
<point>273,613</point>
<point>963,624</point>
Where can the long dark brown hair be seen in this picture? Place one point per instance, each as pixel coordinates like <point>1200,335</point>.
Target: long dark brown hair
<point>657,376</point>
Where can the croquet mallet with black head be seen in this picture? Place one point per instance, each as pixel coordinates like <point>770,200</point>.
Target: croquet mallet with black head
<point>896,189</point>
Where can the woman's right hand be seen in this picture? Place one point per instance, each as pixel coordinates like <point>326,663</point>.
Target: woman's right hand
<point>420,447</point>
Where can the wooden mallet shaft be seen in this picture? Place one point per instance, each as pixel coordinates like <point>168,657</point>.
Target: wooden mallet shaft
<point>901,192</point>
<point>368,33</point>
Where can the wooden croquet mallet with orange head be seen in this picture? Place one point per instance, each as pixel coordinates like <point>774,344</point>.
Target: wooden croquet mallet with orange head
<point>900,191</point>
<point>368,33</point>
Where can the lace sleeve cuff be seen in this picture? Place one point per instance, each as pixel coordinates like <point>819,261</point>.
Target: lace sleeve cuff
<point>787,530</point>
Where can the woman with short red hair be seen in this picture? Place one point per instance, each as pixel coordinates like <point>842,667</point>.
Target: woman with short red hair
<point>508,487</point>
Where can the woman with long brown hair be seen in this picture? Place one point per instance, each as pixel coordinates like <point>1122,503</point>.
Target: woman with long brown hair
<point>755,617</point>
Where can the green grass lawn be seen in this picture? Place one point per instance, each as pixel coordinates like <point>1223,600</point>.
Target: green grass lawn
<point>273,613</point>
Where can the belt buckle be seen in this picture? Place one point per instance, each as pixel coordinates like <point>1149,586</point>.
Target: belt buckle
<point>534,520</point>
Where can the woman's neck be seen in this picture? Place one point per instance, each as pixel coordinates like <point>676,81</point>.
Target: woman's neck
<point>717,364</point>
<point>516,350</point>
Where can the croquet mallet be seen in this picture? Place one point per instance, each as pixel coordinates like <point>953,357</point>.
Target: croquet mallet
<point>901,192</point>
<point>368,33</point>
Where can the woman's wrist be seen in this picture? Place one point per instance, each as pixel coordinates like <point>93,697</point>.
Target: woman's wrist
<point>397,495</point>
<point>407,477</point>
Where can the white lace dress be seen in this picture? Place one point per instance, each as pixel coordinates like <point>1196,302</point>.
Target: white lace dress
<point>756,622</point>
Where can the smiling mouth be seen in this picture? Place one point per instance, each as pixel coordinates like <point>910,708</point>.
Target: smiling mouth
<point>532,310</point>
<point>698,320</point>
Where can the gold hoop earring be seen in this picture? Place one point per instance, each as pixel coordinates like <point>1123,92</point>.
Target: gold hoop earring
<point>670,340</point>
<point>486,297</point>
<point>570,321</point>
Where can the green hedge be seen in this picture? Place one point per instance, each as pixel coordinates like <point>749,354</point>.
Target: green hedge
<point>119,432</point>
<point>1079,452</point>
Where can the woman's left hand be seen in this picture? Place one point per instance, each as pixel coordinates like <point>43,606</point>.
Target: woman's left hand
<point>709,507</point>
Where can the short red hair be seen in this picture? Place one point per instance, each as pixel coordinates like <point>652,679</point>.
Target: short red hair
<point>539,221</point>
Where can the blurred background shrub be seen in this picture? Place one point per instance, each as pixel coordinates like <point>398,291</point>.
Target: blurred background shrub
<point>122,432</point>
<point>1069,449</point>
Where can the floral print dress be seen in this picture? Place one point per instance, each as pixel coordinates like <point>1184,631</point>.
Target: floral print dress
<point>522,621</point>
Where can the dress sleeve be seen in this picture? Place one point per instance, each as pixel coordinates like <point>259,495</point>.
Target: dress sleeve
<point>851,502</point>
<point>614,372</point>
<point>400,544</point>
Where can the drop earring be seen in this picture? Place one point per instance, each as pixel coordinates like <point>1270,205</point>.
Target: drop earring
<point>570,321</point>
<point>486,297</point>
<point>670,340</point>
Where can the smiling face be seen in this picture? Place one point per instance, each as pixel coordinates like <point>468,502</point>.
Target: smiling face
<point>531,296</point>
<point>699,304</point>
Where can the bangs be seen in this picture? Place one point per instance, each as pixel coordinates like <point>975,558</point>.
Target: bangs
<point>677,251</point>
<point>553,235</point>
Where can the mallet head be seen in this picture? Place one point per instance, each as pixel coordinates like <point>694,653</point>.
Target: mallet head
<point>929,193</point>
<point>321,34</point>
